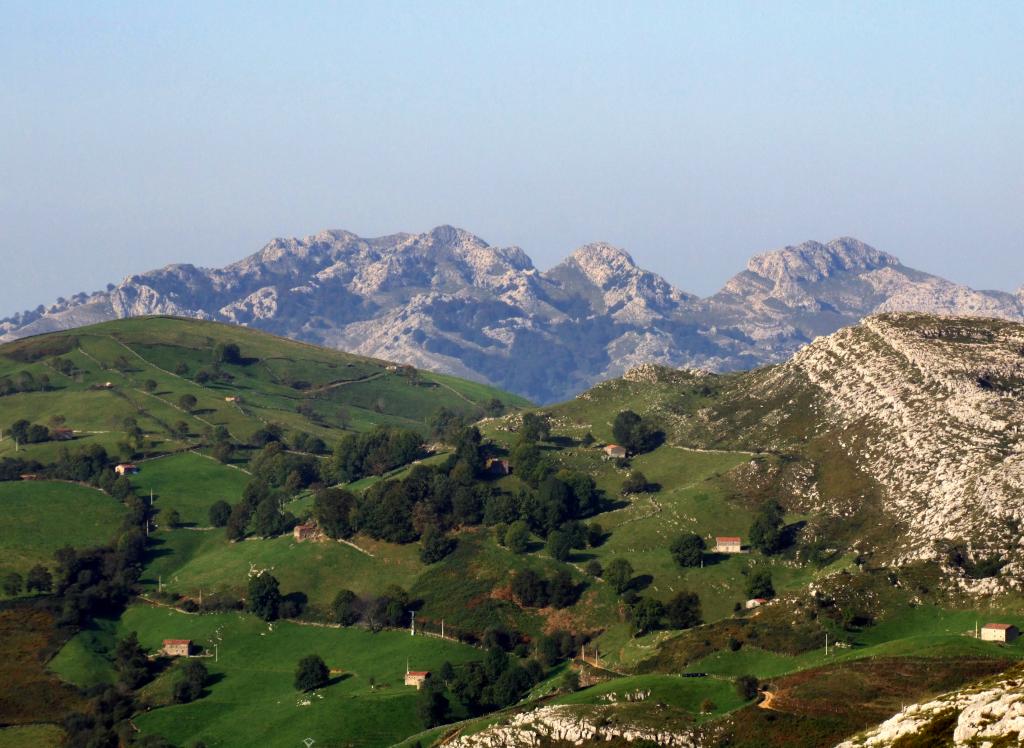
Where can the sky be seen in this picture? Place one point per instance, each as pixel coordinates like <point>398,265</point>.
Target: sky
<point>133,135</point>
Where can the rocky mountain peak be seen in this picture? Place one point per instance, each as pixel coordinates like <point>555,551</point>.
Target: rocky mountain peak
<point>603,263</point>
<point>812,261</point>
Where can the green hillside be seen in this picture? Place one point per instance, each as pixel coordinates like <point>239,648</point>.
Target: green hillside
<point>60,380</point>
<point>525,566</point>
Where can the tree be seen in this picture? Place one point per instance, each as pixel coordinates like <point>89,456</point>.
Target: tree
<point>746,687</point>
<point>130,661</point>
<point>759,584</point>
<point>39,579</point>
<point>346,608</point>
<point>180,430</point>
<point>683,610</point>
<point>431,704</point>
<point>12,584</point>
<point>222,451</point>
<point>187,402</point>
<point>570,681</point>
<point>619,574</point>
<point>264,597</point>
<point>191,680</point>
<point>594,568</point>
<point>332,508</point>
<point>173,519</point>
<point>227,353</point>
<point>530,589</point>
<point>220,512</point>
<point>559,545</point>
<point>536,427</point>
<point>595,534</point>
<point>150,385</point>
<point>647,614</point>
<point>688,550</point>
<point>311,673</point>
<point>562,591</point>
<point>517,537</point>
<point>766,529</point>
<point>435,546</point>
<point>634,433</point>
<point>636,482</point>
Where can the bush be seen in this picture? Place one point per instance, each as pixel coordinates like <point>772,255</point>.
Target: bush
<point>311,673</point>
<point>619,574</point>
<point>688,550</point>
<point>346,608</point>
<point>746,687</point>
<point>759,584</point>
<point>436,545</point>
<point>220,512</point>
<point>684,611</point>
<point>594,569</point>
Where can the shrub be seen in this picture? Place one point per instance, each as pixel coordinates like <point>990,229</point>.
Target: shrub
<point>746,687</point>
<point>311,673</point>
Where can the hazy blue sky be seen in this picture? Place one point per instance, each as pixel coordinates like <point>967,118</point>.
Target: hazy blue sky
<point>136,134</point>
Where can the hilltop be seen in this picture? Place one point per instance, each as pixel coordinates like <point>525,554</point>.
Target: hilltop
<point>447,301</point>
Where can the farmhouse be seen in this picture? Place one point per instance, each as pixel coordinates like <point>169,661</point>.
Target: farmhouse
<point>728,544</point>
<point>232,399</point>
<point>615,452</point>
<point>304,532</point>
<point>177,647</point>
<point>62,434</point>
<point>416,677</point>
<point>30,476</point>
<point>999,632</point>
<point>755,602</point>
<point>126,468</point>
<point>495,466</point>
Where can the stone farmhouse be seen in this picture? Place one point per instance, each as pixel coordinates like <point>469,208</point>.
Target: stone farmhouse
<point>126,468</point>
<point>615,452</point>
<point>1005,633</point>
<point>728,544</point>
<point>304,532</point>
<point>416,677</point>
<point>177,647</point>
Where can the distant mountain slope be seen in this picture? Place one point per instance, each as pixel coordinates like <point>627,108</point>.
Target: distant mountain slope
<point>447,301</point>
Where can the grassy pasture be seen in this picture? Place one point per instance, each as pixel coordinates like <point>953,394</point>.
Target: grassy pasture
<point>189,483</point>
<point>38,517</point>
<point>37,736</point>
<point>252,700</point>
<point>190,560</point>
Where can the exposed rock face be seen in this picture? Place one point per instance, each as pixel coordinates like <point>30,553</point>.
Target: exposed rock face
<point>984,715</point>
<point>931,408</point>
<point>563,724</point>
<point>448,301</point>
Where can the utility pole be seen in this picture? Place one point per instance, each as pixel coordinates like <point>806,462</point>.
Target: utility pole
<point>216,652</point>
<point>826,644</point>
<point>442,628</point>
<point>412,628</point>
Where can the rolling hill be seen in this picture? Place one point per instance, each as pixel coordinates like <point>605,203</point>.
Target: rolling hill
<point>889,553</point>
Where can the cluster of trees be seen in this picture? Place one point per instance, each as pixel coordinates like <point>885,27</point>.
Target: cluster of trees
<point>39,579</point>
<point>532,590</point>
<point>374,453</point>
<point>636,434</point>
<point>24,381</point>
<point>192,677</point>
<point>500,680</point>
<point>390,609</point>
<point>766,531</point>
<point>25,432</point>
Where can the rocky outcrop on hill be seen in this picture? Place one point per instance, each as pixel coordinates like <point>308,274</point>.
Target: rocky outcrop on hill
<point>988,714</point>
<point>446,300</point>
<point>930,408</point>
<point>568,725</point>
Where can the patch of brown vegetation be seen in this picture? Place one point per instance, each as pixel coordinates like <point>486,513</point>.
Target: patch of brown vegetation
<point>29,693</point>
<point>825,705</point>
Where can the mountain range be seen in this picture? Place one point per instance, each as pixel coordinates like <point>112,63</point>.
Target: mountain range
<point>447,301</point>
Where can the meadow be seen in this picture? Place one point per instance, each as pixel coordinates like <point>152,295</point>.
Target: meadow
<point>251,699</point>
<point>38,517</point>
<point>188,483</point>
